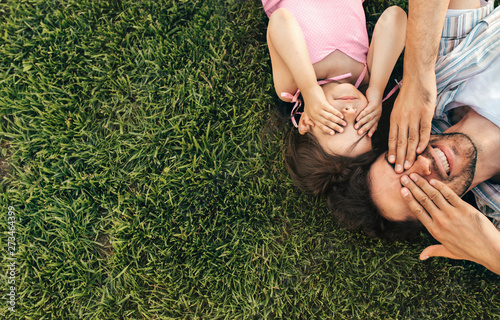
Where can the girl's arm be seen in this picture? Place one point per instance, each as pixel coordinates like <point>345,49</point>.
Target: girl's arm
<point>292,70</point>
<point>387,43</point>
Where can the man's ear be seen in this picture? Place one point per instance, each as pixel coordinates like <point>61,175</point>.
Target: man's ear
<point>305,123</point>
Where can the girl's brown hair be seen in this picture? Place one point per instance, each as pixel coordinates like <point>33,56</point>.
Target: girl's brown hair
<point>315,171</point>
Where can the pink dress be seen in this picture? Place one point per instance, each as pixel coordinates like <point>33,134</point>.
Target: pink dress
<point>328,25</point>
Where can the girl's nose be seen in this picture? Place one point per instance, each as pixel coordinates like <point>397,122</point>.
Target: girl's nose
<point>349,110</point>
<point>349,113</point>
<point>422,166</point>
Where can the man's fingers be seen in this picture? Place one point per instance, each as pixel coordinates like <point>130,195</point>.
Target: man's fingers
<point>439,193</point>
<point>428,197</point>
<point>402,142</point>
<point>413,136</point>
<point>433,194</point>
<point>418,211</point>
<point>448,194</point>
<point>392,143</point>
<point>437,250</point>
<point>425,134</point>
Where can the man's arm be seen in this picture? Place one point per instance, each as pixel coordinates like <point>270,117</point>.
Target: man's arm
<point>464,232</point>
<point>412,113</point>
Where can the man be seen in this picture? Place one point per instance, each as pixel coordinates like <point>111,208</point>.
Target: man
<point>463,158</point>
<point>452,164</point>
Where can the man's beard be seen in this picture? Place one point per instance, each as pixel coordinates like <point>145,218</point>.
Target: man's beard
<point>463,147</point>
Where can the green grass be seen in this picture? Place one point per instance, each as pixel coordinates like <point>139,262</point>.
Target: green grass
<point>143,161</point>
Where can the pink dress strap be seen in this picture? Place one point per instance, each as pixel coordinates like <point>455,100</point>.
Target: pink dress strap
<point>361,77</point>
<point>396,87</point>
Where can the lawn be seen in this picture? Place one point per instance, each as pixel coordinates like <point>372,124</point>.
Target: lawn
<point>141,155</point>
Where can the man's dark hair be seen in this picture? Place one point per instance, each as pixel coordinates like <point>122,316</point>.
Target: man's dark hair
<point>352,206</point>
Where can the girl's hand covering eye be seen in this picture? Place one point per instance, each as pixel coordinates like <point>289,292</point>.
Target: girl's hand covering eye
<point>324,115</point>
<point>367,120</point>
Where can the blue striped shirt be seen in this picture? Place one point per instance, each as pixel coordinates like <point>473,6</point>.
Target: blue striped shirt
<point>470,43</point>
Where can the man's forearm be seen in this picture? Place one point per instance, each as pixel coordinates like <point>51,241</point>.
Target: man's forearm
<point>492,259</point>
<point>425,24</point>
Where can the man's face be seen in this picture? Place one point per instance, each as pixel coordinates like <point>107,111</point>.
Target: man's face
<point>449,158</point>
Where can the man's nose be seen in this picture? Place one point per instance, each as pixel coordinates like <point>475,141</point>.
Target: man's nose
<point>422,166</point>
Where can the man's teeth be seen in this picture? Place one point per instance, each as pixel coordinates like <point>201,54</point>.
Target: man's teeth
<point>443,159</point>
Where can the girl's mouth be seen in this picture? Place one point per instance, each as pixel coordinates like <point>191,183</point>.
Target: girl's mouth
<point>346,98</point>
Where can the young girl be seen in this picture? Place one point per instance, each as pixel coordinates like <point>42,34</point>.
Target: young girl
<point>319,51</point>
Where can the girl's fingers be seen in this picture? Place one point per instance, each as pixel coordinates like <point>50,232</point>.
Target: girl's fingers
<point>362,115</point>
<point>326,129</point>
<point>329,126</point>
<point>332,121</point>
<point>366,111</point>
<point>368,118</point>
<point>361,123</point>
<point>331,112</point>
<point>328,118</point>
<point>368,126</point>
<point>373,129</point>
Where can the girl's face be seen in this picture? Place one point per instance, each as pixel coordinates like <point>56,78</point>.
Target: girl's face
<point>350,101</point>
